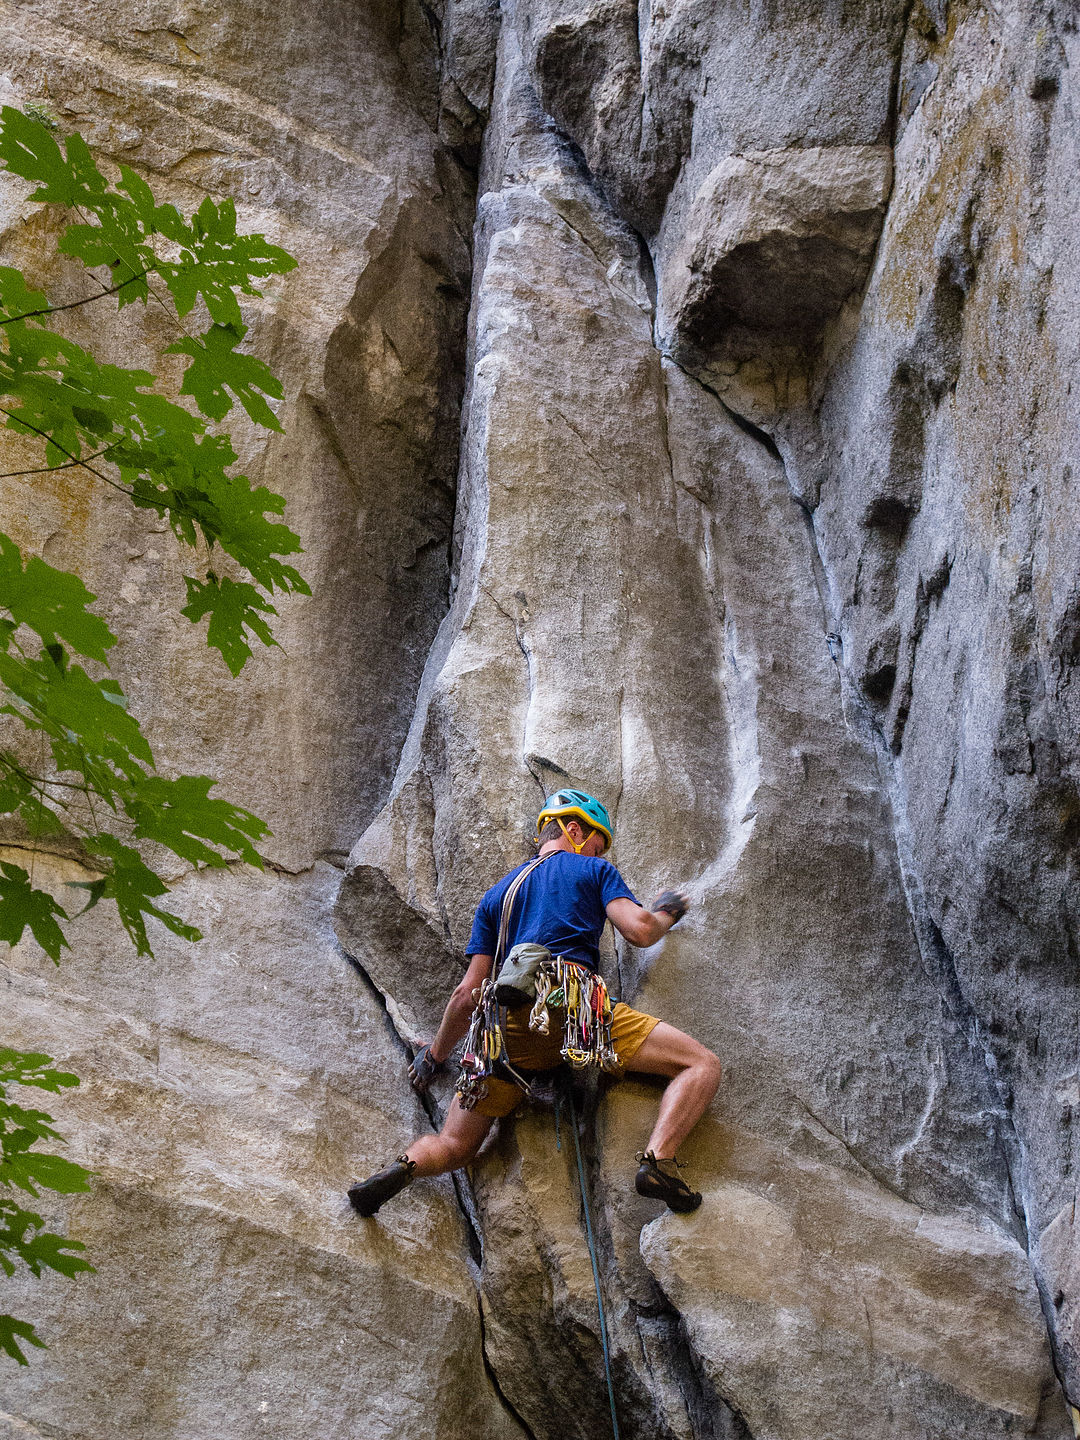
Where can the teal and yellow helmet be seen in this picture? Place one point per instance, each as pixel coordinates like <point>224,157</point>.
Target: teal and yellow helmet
<point>566,805</point>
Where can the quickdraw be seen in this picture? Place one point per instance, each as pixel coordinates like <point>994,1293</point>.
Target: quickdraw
<point>560,985</point>
<point>581,992</point>
<point>483,1047</point>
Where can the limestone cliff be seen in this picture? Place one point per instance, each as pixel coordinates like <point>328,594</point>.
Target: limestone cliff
<point>678,404</point>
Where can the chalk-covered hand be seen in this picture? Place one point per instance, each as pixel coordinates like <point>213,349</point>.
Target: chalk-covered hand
<point>674,903</point>
<point>423,1069</point>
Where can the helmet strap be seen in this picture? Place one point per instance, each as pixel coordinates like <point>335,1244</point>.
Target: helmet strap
<point>562,826</point>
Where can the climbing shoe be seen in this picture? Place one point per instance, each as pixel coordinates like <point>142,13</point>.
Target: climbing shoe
<point>659,1180</point>
<point>366,1196</point>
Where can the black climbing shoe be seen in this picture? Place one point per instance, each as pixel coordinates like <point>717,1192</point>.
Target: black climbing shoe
<point>659,1180</point>
<point>366,1196</point>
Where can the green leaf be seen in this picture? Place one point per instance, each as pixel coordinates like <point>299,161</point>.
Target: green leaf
<point>233,607</point>
<point>181,815</point>
<point>21,1067</point>
<point>134,886</point>
<point>217,369</point>
<point>217,262</point>
<point>62,700</point>
<point>13,1331</point>
<point>29,150</point>
<point>52,602</point>
<point>30,1169</point>
<point>34,1124</point>
<point>54,1252</point>
<point>22,907</point>
<point>16,298</point>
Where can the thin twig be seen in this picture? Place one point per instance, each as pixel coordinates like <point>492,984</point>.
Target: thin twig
<point>41,811</point>
<point>48,469</point>
<point>37,783</point>
<point>85,465</point>
<point>71,305</point>
<point>40,784</point>
<point>57,446</point>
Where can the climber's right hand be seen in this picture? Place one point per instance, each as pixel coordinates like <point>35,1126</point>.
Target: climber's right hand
<point>672,902</point>
<point>423,1069</point>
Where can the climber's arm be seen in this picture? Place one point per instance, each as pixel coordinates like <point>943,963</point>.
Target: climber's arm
<point>645,927</point>
<point>459,1008</point>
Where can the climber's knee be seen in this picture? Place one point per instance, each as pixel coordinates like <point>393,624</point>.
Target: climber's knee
<point>712,1069</point>
<point>463,1134</point>
<point>670,1052</point>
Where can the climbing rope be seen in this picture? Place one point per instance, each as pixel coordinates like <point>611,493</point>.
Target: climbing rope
<point>592,1249</point>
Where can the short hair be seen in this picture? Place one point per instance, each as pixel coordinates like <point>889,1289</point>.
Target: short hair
<point>552,829</point>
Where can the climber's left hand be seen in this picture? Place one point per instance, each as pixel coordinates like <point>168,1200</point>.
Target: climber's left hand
<point>423,1069</point>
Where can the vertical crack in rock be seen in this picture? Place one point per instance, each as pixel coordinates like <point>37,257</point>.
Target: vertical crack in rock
<point>893,119</point>
<point>462,1191</point>
<point>656,1326</point>
<point>710,1416</point>
<point>941,968</point>
<point>431,1109</point>
<point>493,1374</point>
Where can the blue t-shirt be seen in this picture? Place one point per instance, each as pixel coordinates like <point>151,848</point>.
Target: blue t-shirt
<point>561,905</point>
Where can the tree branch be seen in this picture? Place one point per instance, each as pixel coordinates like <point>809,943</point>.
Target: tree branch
<point>48,469</point>
<point>72,304</point>
<point>57,446</point>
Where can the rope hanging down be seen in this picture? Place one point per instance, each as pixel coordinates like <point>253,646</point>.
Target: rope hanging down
<point>592,1251</point>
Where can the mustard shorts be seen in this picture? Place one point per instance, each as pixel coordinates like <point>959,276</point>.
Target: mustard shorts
<point>528,1051</point>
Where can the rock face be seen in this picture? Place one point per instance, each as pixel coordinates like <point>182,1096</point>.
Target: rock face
<point>776,240</point>
<point>679,404</point>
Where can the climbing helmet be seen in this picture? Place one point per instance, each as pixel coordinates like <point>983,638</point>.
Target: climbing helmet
<point>566,805</point>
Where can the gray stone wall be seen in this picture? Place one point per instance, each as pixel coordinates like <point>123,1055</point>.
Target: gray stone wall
<point>678,405</point>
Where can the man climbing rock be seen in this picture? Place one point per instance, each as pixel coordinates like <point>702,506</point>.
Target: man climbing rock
<point>539,929</point>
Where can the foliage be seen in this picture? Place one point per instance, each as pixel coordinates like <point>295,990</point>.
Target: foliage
<point>96,791</point>
<point>109,424</point>
<point>23,1236</point>
<point>87,412</point>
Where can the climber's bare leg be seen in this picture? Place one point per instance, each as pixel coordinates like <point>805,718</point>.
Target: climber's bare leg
<point>693,1076</point>
<point>460,1138</point>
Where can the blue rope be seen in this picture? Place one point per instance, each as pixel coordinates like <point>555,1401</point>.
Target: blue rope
<point>595,1266</point>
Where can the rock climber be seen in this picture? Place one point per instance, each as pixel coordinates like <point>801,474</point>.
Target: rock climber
<point>559,901</point>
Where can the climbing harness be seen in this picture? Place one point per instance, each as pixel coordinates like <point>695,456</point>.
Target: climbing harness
<point>485,1047</point>
<point>561,986</point>
<point>581,992</point>
<point>604,1343</point>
